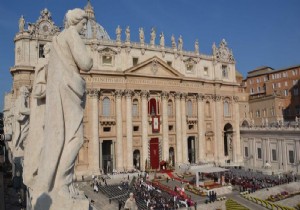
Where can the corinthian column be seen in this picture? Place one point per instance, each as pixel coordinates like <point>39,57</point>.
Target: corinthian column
<point>144,95</point>
<point>128,94</point>
<point>119,152</point>
<point>94,154</point>
<point>183,128</point>
<point>165,96</point>
<point>201,129</point>
<point>178,129</point>
<point>219,140</point>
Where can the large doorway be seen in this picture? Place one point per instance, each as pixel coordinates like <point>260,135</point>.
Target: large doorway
<point>136,159</point>
<point>228,138</point>
<point>154,153</point>
<point>171,156</point>
<point>191,149</point>
<point>107,156</point>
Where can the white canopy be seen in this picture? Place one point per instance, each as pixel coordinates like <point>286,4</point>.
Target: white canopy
<point>208,169</point>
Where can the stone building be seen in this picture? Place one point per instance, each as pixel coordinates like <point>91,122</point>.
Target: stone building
<point>274,94</point>
<point>146,102</point>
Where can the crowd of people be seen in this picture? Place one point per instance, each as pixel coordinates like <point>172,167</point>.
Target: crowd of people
<point>252,181</point>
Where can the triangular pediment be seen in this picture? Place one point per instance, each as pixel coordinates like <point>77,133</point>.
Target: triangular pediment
<point>154,67</point>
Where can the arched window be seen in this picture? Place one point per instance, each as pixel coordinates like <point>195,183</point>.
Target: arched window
<point>226,109</point>
<point>106,107</point>
<point>152,108</point>
<point>170,108</point>
<point>189,108</point>
<point>224,71</point>
<point>135,108</point>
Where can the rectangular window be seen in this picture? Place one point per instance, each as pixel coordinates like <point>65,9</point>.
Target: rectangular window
<point>205,71</point>
<point>265,78</point>
<point>279,84</point>
<point>250,81</point>
<point>257,80</point>
<point>274,155</point>
<point>191,127</point>
<point>274,85</point>
<point>224,71</point>
<point>171,127</point>
<point>41,51</point>
<point>285,83</point>
<point>258,89</point>
<point>294,72</point>
<point>259,153</point>
<point>135,61</point>
<point>135,128</point>
<point>291,156</point>
<point>107,60</point>
<point>286,92</point>
<point>251,90</point>
<point>106,129</point>
<point>246,152</point>
<point>295,82</point>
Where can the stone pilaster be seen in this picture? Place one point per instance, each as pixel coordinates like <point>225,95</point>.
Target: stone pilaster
<point>128,94</point>
<point>201,129</point>
<point>144,96</point>
<point>165,127</point>
<point>119,126</point>
<point>237,140</point>
<point>178,157</point>
<point>183,128</point>
<point>94,151</point>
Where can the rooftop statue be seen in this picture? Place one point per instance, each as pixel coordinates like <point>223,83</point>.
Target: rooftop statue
<point>196,46</point>
<point>21,24</point>
<point>162,39</point>
<point>127,33</point>
<point>173,41</point>
<point>180,43</point>
<point>142,35</point>
<point>153,36</point>
<point>34,142</point>
<point>63,130</point>
<point>118,33</point>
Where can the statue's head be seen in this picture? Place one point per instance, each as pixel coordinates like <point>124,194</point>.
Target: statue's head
<point>75,17</point>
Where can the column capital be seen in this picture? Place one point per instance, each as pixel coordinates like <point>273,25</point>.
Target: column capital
<point>216,97</point>
<point>177,95</point>
<point>200,97</point>
<point>128,93</point>
<point>144,93</point>
<point>164,94</point>
<point>118,93</point>
<point>93,93</point>
<point>184,96</point>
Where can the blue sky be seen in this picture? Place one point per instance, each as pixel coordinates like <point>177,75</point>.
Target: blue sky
<point>260,32</point>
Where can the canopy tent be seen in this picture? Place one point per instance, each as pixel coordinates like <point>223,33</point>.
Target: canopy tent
<point>205,169</point>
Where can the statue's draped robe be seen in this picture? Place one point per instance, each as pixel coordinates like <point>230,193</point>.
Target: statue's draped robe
<point>65,98</point>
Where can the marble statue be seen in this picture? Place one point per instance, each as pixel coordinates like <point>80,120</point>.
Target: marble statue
<point>142,35</point>
<point>21,115</point>
<point>21,24</point>
<point>173,41</point>
<point>63,124</point>
<point>152,36</point>
<point>180,43</point>
<point>196,46</point>
<point>118,33</point>
<point>33,149</point>
<point>127,33</point>
<point>162,39</point>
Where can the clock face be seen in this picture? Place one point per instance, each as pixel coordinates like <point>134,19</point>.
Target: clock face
<point>44,27</point>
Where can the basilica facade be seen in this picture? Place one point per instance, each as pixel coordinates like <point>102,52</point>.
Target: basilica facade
<point>146,102</point>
